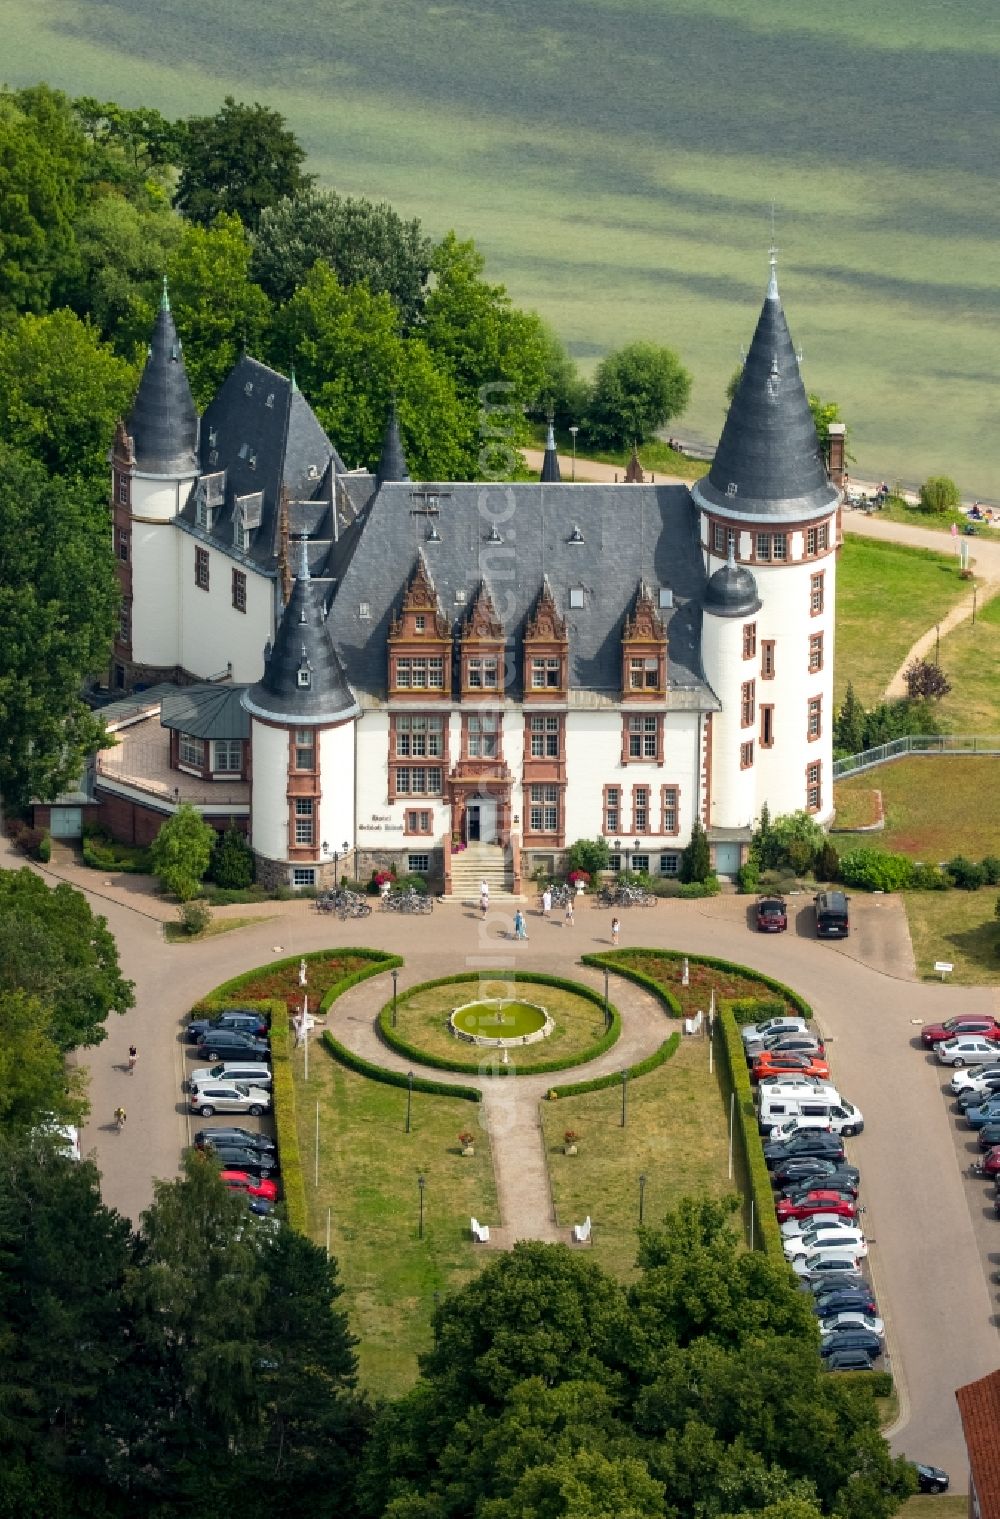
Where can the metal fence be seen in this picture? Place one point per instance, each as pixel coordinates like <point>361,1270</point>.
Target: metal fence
<point>916,743</point>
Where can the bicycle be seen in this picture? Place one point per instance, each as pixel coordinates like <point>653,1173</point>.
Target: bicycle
<point>120,1117</point>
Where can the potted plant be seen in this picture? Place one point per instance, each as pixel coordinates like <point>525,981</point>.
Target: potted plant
<point>570,1138</point>
<point>468,1142</point>
<point>580,879</point>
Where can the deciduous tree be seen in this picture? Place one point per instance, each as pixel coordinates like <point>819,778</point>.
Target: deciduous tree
<point>182,851</point>
<point>218,309</point>
<point>239,161</point>
<point>637,390</point>
<point>925,680</point>
<point>939,494</point>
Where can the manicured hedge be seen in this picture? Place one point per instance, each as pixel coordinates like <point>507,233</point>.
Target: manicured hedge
<point>766,1227</point>
<point>610,959</point>
<point>223,995</point>
<point>598,1083</point>
<point>629,973</point>
<point>414,1052</point>
<point>363,1067</point>
<point>283,1107</point>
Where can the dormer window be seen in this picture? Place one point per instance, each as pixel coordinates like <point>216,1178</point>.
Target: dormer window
<point>304,677</point>
<point>644,650</point>
<point>546,648</point>
<point>419,622</point>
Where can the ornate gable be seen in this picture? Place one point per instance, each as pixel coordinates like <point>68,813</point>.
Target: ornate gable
<point>644,621</point>
<point>483,622</point>
<point>546,650</point>
<point>545,622</point>
<point>420,598</point>
<point>644,650</point>
<point>420,641</point>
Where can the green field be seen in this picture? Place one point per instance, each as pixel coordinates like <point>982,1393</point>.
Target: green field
<point>935,807</point>
<point>970,657</point>
<point>617,160</point>
<point>887,595</point>
<point>960,927</point>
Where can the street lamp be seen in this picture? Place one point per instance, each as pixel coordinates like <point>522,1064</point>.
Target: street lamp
<point>638,846</point>
<point>607,1010</point>
<point>395,984</point>
<point>409,1099</point>
<point>618,852</point>
<point>421,1183</point>
<point>624,1094</point>
<point>573,433</point>
<point>642,1196</point>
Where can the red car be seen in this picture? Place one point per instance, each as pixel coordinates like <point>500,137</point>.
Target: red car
<point>771,915</point>
<point>815,1202</point>
<point>991,1162</point>
<point>962,1023</point>
<point>240,1181</point>
<point>787,1063</point>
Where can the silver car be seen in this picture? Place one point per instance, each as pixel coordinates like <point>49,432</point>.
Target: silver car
<point>772,1026</point>
<point>229,1071</point>
<point>854,1319</point>
<point>229,1097</point>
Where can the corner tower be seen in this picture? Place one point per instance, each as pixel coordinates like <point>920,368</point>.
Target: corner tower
<point>154,463</point>
<point>768,510</point>
<point>302,722</point>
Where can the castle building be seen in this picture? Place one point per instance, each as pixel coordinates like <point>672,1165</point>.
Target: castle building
<point>462,678</point>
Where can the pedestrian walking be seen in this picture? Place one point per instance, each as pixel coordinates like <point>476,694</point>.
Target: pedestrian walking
<point>484,900</point>
<point>547,902</point>
<point>120,1116</point>
<point>520,931</point>
<point>569,920</point>
<point>616,929</point>
<point>133,1056</point>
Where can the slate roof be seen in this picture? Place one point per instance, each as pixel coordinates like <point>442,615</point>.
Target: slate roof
<point>206,711</point>
<point>732,592</point>
<point>163,423</point>
<point>769,450</point>
<point>550,463</point>
<point>302,644</point>
<point>604,539</point>
<point>979,1407</point>
<point>392,463</point>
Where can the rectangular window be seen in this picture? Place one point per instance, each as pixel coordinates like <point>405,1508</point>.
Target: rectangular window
<point>482,673</point>
<point>545,674</point>
<point>305,748</point>
<point>640,809</point>
<point>239,591</point>
<point>612,809</point>
<point>814,790</point>
<point>767,659</point>
<point>302,876</point>
<point>227,756</point>
<point>670,809</point>
<point>640,862</point>
<point>123,490</point>
<point>779,546</point>
<point>419,736</point>
<point>670,864</point>
<point>419,780</point>
<point>815,652</point>
<point>810,540</point>
<point>719,538</point>
<point>201,569</point>
<point>418,864</point>
<point>824,537</point>
<point>746,755</point>
<point>418,822</point>
<point>191,751</point>
<point>749,640</point>
<point>303,830</point>
<point>123,544</point>
<point>125,623</point>
<point>544,738</point>
<point>815,721</point>
<point>763,546</point>
<point>482,738</point>
<point>816,594</point>
<point>543,809</point>
<point>419,622</point>
<point>643,737</point>
<point>747,703</point>
<point>766,727</point>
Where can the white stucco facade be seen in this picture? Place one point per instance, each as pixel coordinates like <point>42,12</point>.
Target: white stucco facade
<point>336,819</point>
<point>214,633</point>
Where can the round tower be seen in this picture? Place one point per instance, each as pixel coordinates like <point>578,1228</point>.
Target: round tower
<point>154,464</point>
<point>769,509</point>
<point>302,722</point>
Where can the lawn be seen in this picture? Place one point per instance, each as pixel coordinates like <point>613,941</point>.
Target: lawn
<point>970,657</point>
<point>887,595</point>
<point>675,1135</point>
<point>936,806</point>
<point>935,1506</point>
<point>175,933</point>
<point>897,509</point>
<point>368,1181</point>
<point>857,808</point>
<point>960,927</point>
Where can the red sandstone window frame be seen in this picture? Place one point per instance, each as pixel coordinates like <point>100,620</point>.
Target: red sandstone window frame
<point>611,801</point>
<point>766,711</point>
<point>240,591</point>
<point>418,822</point>
<point>748,704</point>
<point>642,804</point>
<point>767,659</point>
<point>746,755</point>
<point>749,640</point>
<point>815,652</point>
<point>638,728</point>
<point>814,718</point>
<point>817,593</point>
<point>814,786</point>
<point>670,811</point>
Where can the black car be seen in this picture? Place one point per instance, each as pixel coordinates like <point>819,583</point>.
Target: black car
<point>243,1018</point>
<point>848,1360</point>
<point>212,1138</point>
<point>988,1136</point>
<point>845,1301</point>
<point>931,1479</point>
<point>810,1142</point>
<point>217,1044</point>
<point>843,1179</point>
<point>803,1168</point>
<point>254,1162</point>
<point>852,1339</point>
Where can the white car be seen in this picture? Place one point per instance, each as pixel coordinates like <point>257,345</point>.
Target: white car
<point>976,1079</point>
<point>229,1097</point>
<point>829,1237</point>
<point>967,1049</point>
<point>829,1265</point>
<point>772,1026</point>
<point>796,1226</point>
<point>841,1118</point>
<point>230,1070</point>
<point>850,1320</point>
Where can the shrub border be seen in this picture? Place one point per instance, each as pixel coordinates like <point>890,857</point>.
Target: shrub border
<point>363,1067</point>
<point>609,959</point>
<point>380,959</point>
<point>766,1226</point>
<point>442,1063</point>
<point>643,1067</point>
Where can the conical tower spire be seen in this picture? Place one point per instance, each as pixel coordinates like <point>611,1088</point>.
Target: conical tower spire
<point>768,464</point>
<point>392,463</point>
<point>164,420</point>
<point>550,464</point>
<point>303,680</point>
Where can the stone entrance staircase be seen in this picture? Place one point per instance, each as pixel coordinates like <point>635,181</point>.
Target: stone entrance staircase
<point>478,863</point>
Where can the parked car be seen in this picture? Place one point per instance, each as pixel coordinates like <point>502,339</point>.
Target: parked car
<point>810,1044</point>
<point>989,1163</point>
<point>805,1168</point>
<point>246,1019</point>
<point>848,1360</point>
<point>823,1265</point>
<point>851,1318</point>
<point>965,1049</point>
<point>769,1026</point>
<point>972,1099</point>
<point>989,1135</point>
<point>962,1023</point>
<point>796,1228</point>
<point>975,1078</point>
<point>851,1339</point>
<point>832,918</point>
<point>208,1139</point>
<point>830,1300</point>
<point>836,1117</point>
<point>227,1044</point>
<point>931,1479</point>
<point>814,1204</point>
<point>230,1070</point>
<point>783,1063</point>
<point>240,1181</point>
<point>987,1112</point>
<point>826,1237</point>
<point>229,1097</point>
<point>808,1142</point>
<point>772,917</point>
<point>845,1191</point>
<point>238,1158</point>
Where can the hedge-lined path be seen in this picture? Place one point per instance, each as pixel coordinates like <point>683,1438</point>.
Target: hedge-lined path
<point>509,1109</point>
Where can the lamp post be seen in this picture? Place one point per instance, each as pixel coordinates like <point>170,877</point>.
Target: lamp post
<point>421,1183</point>
<point>573,433</point>
<point>395,984</point>
<point>638,846</point>
<point>607,1009</point>
<point>409,1098</point>
<point>618,852</point>
<point>624,1094</point>
<point>642,1196</point>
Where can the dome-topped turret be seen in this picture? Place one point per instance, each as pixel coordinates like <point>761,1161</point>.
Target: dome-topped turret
<point>732,592</point>
<point>164,420</point>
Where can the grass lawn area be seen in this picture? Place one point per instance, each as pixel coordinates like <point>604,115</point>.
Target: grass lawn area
<point>934,1506</point>
<point>856,809</point>
<point>887,595</point>
<point>899,510</point>
<point>675,1135</point>
<point>960,926</point>
<point>422,1020</point>
<point>970,657</point>
<point>368,1180</point>
<point>935,806</point>
<point>174,933</point>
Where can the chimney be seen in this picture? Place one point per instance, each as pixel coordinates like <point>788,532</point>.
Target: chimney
<point>835,453</point>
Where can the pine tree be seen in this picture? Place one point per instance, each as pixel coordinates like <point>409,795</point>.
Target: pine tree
<point>696,860</point>
<point>849,724</point>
